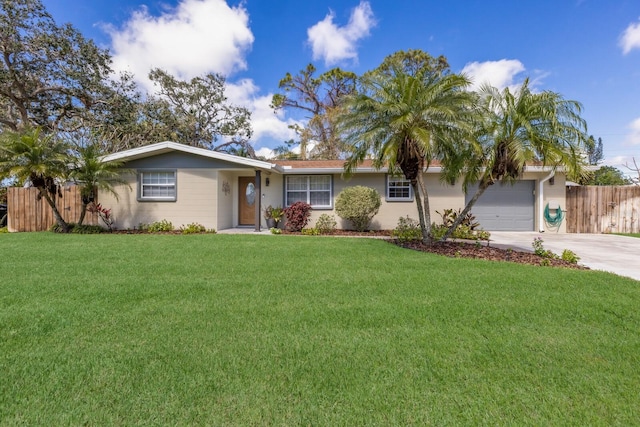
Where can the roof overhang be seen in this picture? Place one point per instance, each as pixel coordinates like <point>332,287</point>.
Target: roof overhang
<point>168,146</point>
<point>288,170</point>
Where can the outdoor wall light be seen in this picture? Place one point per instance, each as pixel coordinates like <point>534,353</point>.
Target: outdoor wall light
<point>266,182</point>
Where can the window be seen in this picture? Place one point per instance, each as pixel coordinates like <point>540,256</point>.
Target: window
<point>157,185</point>
<point>312,189</point>
<point>399,189</point>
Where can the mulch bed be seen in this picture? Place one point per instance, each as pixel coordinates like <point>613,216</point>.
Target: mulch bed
<point>486,252</point>
<point>465,249</point>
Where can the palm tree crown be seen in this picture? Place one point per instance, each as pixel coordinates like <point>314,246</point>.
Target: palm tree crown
<point>39,159</point>
<point>405,121</point>
<point>91,173</point>
<point>520,128</point>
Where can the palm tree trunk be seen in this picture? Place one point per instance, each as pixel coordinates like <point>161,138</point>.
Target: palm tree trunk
<point>83,212</point>
<point>423,228</point>
<point>427,209</point>
<point>465,211</point>
<point>56,213</point>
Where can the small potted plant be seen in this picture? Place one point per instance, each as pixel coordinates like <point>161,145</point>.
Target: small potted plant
<point>277,213</point>
<point>268,216</point>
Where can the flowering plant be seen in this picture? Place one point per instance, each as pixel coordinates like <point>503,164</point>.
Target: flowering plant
<point>103,213</point>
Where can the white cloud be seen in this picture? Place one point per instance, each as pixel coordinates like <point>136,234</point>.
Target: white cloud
<point>499,74</point>
<point>194,38</point>
<point>634,135</point>
<point>334,44</point>
<point>266,123</point>
<point>630,39</point>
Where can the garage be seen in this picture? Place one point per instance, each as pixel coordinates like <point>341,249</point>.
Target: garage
<point>505,207</point>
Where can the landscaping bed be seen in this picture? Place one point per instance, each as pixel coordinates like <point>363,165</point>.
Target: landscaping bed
<point>464,249</point>
<point>486,252</point>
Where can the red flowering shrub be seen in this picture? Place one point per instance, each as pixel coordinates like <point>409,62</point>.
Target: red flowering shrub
<point>103,213</point>
<point>297,216</point>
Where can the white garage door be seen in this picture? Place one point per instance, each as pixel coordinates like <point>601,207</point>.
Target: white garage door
<point>505,207</point>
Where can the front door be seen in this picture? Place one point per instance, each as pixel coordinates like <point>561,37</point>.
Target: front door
<point>247,200</point>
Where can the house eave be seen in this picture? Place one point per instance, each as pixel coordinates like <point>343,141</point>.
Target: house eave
<point>288,170</point>
<point>169,146</point>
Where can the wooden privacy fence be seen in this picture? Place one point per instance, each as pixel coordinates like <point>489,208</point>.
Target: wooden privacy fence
<point>27,213</point>
<point>603,209</point>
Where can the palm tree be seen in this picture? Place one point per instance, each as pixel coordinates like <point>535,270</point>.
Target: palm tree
<point>39,159</point>
<point>405,121</point>
<point>91,173</point>
<point>519,128</point>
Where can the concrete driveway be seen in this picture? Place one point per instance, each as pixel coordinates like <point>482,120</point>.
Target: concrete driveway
<point>608,252</point>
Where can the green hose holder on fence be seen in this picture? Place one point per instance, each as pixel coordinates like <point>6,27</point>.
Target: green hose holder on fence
<point>553,221</point>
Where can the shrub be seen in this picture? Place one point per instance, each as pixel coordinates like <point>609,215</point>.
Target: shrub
<point>450,215</point>
<point>4,230</point>
<point>326,224</point>
<point>87,229</point>
<point>78,229</point>
<point>193,228</point>
<point>103,213</point>
<point>274,230</point>
<point>462,232</point>
<point>297,216</point>
<point>468,228</point>
<point>438,231</point>
<point>570,256</point>
<point>159,226</point>
<point>55,227</point>
<point>311,231</point>
<point>539,249</point>
<point>408,229</point>
<point>359,205</point>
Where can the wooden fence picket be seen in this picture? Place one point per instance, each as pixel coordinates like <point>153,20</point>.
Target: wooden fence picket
<point>26,213</point>
<point>603,209</point>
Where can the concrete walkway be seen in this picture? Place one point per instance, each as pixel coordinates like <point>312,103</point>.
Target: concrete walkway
<point>244,230</point>
<point>608,252</point>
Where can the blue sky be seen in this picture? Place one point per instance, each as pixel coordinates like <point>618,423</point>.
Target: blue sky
<point>587,50</point>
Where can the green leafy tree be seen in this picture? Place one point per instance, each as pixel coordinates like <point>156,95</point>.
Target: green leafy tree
<point>519,128</point>
<point>606,175</point>
<point>413,62</point>
<point>40,159</point>
<point>359,205</point>
<point>318,99</point>
<point>50,76</point>
<point>93,174</point>
<point>195,112</point>
<point>405,121</point>
<point>594,150</point>
<point>53,78</point>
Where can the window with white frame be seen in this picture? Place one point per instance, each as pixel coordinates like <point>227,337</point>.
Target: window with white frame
<point>399,189</point>
<point>157,185</point>
<point>312,189</point>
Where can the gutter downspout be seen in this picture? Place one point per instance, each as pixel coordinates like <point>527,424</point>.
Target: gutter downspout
<point>541,200</point>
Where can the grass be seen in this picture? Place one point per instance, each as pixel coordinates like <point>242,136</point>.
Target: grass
<point>628,234</point>
<point>288,330</point>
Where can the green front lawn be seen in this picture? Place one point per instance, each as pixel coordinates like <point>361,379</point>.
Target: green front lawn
<point>288,330</point>
<point>628,234</point>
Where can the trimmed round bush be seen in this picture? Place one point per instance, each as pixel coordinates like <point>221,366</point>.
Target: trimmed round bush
<point>359,205</point>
